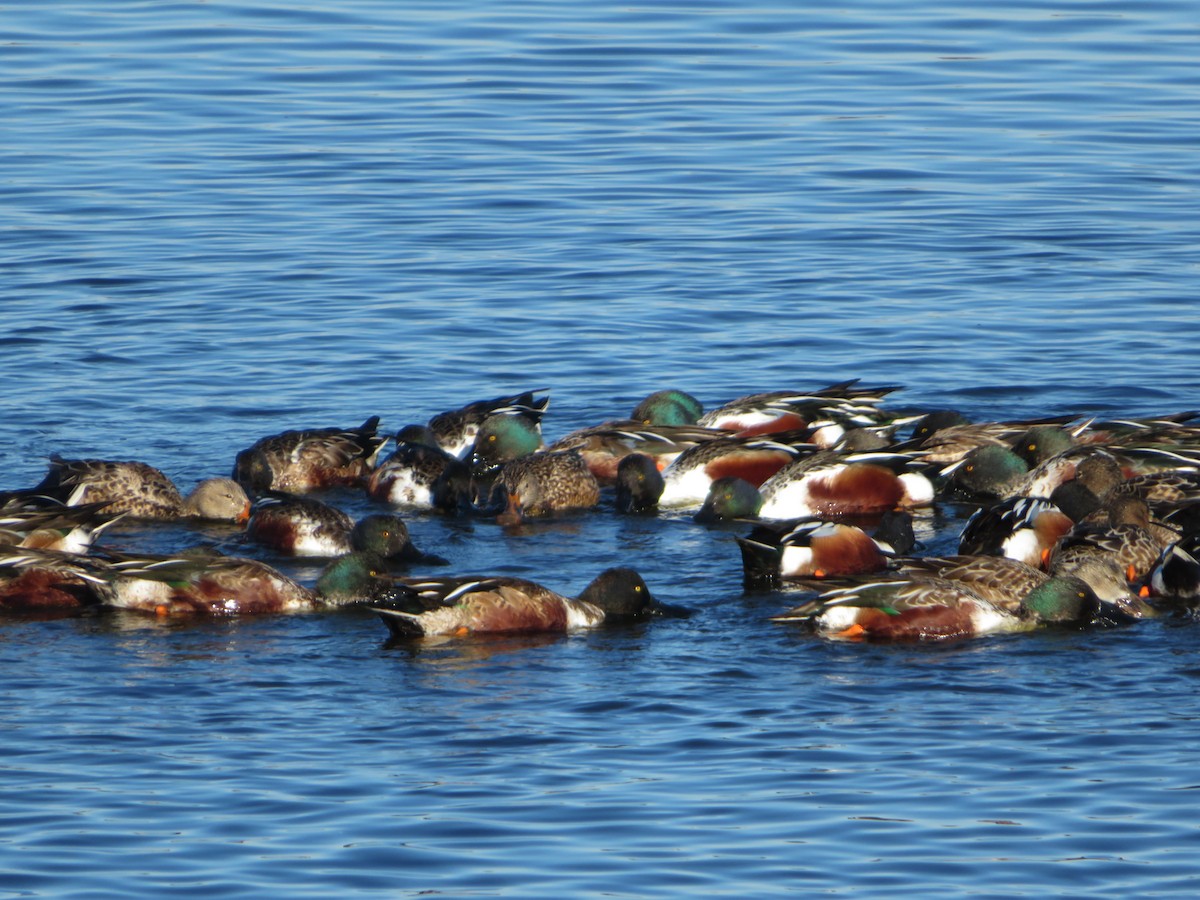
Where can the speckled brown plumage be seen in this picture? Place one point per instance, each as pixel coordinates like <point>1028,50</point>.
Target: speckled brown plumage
<point>304,460</point>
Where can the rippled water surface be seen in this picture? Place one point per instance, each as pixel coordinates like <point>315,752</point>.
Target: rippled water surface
<point>221,220</point>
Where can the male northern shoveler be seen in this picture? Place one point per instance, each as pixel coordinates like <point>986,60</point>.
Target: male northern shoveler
<point>305,460</point>
<point>500,439</point>
<point>688,480</point>
<point>839,405</point>
<point>47,581</point>
<point>299,526</point>
<point>1021,528</point>
<point>832,485</point>
<point>469,605</point>
<point>420,474</point>
<point>457,429</point>
<point>604,446</point>
<point>1000,580</point>
<point>137,490</point>
<point>204,584</point>
<point>304,526</point>
<point>1176,573</point>
<point>944,437</point>
<point>938,609</point>
<point>808,548</point>
<point>668,407</point>
<point>730,498</point>
<point>47,524</point>
<point>998,472</point>
<point>545,482</point>
<point>639,484</point>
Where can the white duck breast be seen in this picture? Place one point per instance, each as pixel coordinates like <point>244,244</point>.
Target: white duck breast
<point>684,487</point>
<point>403,489</point>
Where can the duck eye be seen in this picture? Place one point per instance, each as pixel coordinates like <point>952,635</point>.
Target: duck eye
<point>491,438</point>
<point>1031,447</point>
<point>971,468</point>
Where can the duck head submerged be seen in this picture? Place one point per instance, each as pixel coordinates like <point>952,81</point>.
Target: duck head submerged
<point>639,484</point>
<point>730,498</point>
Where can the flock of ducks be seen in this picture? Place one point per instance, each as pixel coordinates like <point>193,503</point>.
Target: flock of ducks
<point>1078,523</point>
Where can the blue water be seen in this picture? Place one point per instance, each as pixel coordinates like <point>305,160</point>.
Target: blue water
<point>221,220</point>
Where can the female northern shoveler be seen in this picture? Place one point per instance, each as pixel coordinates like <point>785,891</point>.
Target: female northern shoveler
<point>456,430</point>
<point>138,490</point>
<point>545,482</point>
<point>304,460</point>
<point>1127,536</point>
<point>462,606</point>
<point>212,585</point>
<point>937,609</point>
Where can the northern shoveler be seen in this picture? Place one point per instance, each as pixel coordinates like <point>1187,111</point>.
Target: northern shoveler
<point>456,430</point>
<point>50,525</point>
<point>832,485</point>
<point>419,474</point>
<point>299,526</point>
<point>944,437</point>
<point>137,490</point>
<point>730,498</point>
<point>545,482</point>
<point>688,480</point>
<point>668,407</point>
<point>1128,537</point>
<point>304,526</point>
<point>998,472</point>
<point>204,584</point>
<point>604,446</point>
<point>639,484</point>
<point>476,605</point>
<point>808,548</point>
<point>839,405</point>
<point>938,609</point>
<point>47,581</point>
<point>305,460</point>
<point>1176,573</point>
<point>1021,528</point>
<point>501,439</point>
